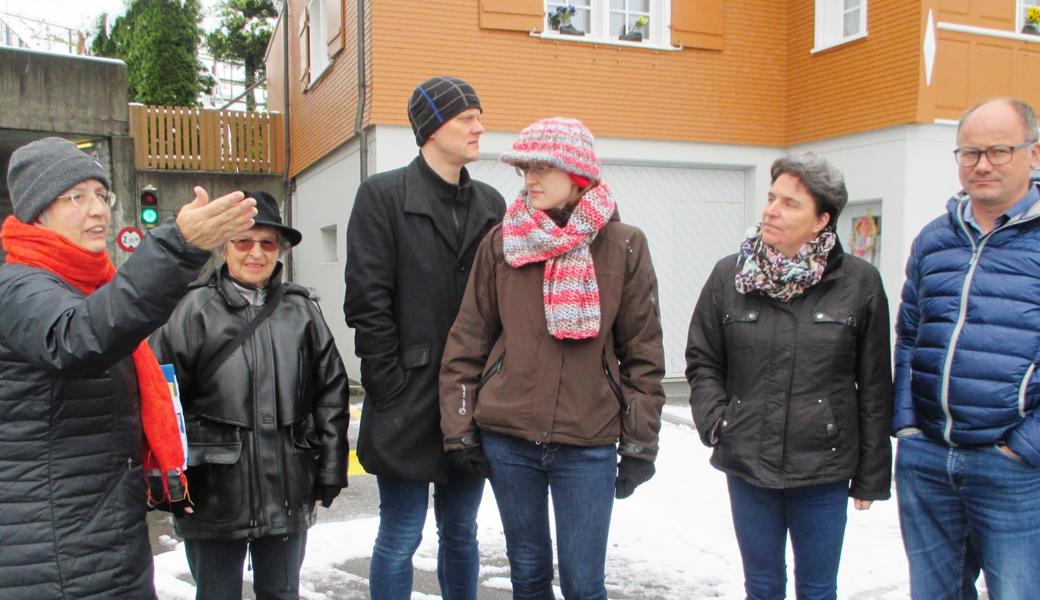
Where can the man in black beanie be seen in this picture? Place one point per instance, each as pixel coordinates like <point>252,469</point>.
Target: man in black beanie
<point>411,239</point>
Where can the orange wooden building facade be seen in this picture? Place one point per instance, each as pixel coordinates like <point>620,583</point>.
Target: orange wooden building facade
<point>747,74</point>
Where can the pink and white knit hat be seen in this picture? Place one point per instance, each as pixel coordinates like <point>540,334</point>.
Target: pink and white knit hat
<point>558,141</point>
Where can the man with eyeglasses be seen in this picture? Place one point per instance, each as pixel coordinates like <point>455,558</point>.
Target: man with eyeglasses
<point>411,240</point>
<point>967,386</point>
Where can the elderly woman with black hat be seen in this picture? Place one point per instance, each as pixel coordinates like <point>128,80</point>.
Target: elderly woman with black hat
<point>84,407</point>
<point>790,382</point>
<point>554,364</point>
<point>265,400</point>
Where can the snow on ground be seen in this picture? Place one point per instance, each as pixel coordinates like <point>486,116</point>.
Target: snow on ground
<point>672,540</point>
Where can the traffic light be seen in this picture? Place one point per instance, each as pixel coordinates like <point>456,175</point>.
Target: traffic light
<point>149,206</point>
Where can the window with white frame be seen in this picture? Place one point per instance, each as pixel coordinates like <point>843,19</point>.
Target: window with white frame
<point>317,51</point>
<point>1022,22</point>
<point>610,20</point>
<point>839,21</point>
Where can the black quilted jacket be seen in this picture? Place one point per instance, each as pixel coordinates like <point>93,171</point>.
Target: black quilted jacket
<point>72,495</point>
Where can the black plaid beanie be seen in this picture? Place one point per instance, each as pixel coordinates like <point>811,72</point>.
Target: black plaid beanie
<point>436,101</point>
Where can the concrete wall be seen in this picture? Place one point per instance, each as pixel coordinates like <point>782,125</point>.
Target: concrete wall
<point>40,91</point>
<point>79,98</point>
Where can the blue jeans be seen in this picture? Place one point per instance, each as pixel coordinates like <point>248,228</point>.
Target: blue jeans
<point>216,566</point>
<point>815,516</point>
<point>581,479</point>
<point>402,514</point>
<point>966,509</point>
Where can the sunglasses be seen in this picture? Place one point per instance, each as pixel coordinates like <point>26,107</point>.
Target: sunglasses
<point>246,244</point>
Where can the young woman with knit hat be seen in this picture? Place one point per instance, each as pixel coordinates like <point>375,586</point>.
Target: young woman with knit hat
<point>84,408</point>
<point>554,364</point>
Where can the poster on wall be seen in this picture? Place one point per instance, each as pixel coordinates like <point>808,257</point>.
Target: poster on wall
<point>865,237</point>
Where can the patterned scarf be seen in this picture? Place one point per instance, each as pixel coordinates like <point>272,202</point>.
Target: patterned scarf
<point>766,270</point>
<point>569,289</point>
<point>87,271</point>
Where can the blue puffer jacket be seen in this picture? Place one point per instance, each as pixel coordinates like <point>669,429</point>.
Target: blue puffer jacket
<point>969,334</point>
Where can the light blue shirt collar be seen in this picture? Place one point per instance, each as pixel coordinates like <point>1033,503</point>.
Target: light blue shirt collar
<point>1018,208</point>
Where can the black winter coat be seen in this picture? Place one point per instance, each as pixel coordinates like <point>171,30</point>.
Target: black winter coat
<point>404,282</point>
<point>270,423</point>
<point>72,494</point>
<point>796,393</point>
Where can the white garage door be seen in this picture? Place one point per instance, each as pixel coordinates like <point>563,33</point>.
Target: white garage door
<point>692,217</point>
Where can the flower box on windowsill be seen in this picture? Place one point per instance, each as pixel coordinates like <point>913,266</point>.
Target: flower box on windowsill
<point>632,36</point>
<point>1031,28</point>
<point>568,29</point>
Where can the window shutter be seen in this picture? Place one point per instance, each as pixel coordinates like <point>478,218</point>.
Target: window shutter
<point>512,15</point>
<point>305,50</point>
<point>698,23</point>
<point>334,26</point>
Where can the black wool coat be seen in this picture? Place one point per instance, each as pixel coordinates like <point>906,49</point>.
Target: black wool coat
<point>798,393</point>
<point>406,272</point>
<point>72,494</point>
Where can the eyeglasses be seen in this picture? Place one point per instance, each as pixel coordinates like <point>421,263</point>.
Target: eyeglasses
<point>996,155</point>
<point>246,244</point>
<point>80,199</point>
<point>534,169</point>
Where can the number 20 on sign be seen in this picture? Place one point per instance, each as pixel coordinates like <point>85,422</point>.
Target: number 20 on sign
<point>129,238</point>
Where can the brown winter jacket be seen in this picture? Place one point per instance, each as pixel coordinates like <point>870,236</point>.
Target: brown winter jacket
<point>503,372</point>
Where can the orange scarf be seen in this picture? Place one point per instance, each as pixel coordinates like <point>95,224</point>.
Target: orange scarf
<point>87,271</point>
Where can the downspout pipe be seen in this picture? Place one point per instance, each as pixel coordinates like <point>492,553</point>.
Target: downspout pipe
<point>287,184</point>
<point>362,92</point>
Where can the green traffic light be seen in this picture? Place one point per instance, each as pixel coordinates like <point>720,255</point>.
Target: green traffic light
<point>149,216</point>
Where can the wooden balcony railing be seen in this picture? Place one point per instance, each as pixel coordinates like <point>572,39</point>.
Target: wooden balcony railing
<point>199,139</point>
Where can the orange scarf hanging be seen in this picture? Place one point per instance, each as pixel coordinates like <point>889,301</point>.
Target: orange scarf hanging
<point>87,271</point>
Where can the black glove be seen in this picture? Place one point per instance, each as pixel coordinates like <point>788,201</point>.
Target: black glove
<point>630,473</point>
<point>470,461</point>
<point>326,493</point>
<point>178,499</point>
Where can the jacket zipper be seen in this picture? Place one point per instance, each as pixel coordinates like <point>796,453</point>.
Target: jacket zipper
<point>495,368</point>
<point>625,406</point>
<point>962,314</point>
<point>1022,390</point>
<point>255,479</point>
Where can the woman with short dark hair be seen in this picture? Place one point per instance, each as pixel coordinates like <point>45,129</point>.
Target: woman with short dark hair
<point>789,366</point>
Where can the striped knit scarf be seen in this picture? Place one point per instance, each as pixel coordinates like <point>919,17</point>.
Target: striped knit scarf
<point>87,271</point>
<point>569,290</point>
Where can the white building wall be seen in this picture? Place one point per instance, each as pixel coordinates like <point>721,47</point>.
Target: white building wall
<point>678,193</point>
<point>322,200</point>
<point>910,170</point>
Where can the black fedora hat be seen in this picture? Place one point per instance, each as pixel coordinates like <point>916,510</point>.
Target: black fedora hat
<point>267,214</point>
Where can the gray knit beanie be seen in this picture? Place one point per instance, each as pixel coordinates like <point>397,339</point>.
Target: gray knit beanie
<point>41,171</point>
<point>436,101</point>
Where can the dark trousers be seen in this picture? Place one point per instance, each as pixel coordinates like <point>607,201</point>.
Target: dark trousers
<point>216,566</point>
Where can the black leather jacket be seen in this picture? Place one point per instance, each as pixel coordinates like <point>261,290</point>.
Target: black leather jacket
<point>798,393</point>
<point>72,495</point>
<point>270,424</point>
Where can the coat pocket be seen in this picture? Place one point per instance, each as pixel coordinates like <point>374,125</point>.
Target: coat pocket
<point>302,452</point>
<point>742,330</point>
<point>834,334</point>
<point>216,473</point>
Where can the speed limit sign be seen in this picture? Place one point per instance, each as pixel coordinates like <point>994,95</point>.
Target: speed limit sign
<point>129,238</point>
